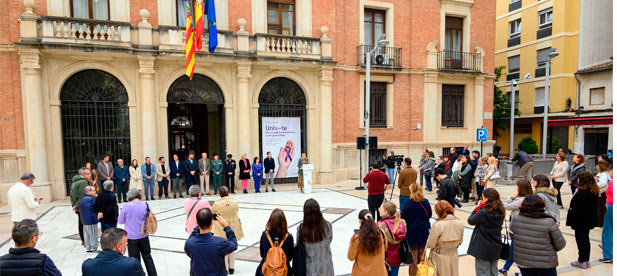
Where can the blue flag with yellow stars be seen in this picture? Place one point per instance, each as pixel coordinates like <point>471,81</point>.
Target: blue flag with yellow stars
<point>211,26</point>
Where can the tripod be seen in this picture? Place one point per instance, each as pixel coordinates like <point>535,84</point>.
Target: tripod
<point>396,173</point>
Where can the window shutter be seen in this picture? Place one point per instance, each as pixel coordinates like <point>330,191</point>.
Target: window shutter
<point>514,63</point>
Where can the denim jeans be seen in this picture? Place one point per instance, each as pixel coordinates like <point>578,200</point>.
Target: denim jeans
<point>105,226</point>
<point>390,172</point>
<point>402,200</point>
<point>149,186</point>
<point>607,233</point>
<point>393,270</point>
<point>429,185</point>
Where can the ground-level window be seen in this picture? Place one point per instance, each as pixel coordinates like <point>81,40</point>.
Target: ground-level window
<point>452,105</point>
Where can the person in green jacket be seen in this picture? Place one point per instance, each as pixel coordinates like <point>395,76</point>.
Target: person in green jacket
<point>78,189</point>
<point>216,167</point>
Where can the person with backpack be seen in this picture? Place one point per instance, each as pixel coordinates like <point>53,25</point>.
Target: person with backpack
<point>394,229</point>
<point>276,247</point>
<point>134,215</point>
<point>367,248</point>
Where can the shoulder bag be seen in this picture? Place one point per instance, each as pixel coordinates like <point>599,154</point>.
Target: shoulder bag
<point>505,243</point>
<point>425,266</point>
<point>149,223</point>
<point>404,250</point>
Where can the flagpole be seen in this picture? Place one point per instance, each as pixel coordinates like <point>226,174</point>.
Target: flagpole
<point>194,32</point>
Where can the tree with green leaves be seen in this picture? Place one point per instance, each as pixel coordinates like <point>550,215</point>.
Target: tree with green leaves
<point>501,107</point>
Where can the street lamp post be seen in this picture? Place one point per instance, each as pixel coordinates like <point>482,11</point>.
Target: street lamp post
<point>367,96</point>
<point>512,109</point>
<point>553,53</point>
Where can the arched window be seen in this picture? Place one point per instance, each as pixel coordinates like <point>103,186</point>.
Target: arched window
<point>95,120</point>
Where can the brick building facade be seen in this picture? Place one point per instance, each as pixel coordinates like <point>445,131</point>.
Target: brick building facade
<point>433,82</point>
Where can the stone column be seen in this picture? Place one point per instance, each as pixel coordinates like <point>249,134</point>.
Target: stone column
<point>431,101</point>
<point>34,115</point>
<point>244,95</point>
<point>148,109</point>
<point>326,176</point>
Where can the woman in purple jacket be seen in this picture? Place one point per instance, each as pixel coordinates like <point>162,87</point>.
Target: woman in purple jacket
<point>132,216</point>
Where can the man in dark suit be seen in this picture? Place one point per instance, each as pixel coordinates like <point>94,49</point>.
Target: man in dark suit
<point>269,167</point>
<point>177,171</point>
<point>111,261</point>
<point>230,173</point>
<point>191,167</point>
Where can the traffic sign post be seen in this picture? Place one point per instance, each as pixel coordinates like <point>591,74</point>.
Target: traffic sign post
<point>481,136</point>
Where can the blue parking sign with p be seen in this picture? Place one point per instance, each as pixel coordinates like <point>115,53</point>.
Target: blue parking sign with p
<point>481,135</point>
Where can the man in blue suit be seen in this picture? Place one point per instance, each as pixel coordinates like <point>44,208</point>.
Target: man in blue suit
<point>111,261</point>
<point>148,173</point>
<point>121,178</point>
<point>176,168</point>
<point>191,168</point>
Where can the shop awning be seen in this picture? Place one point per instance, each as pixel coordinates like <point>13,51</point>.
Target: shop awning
<point>603,120</point>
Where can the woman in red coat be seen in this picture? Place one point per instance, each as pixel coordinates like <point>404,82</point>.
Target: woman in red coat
<point>395,229</point>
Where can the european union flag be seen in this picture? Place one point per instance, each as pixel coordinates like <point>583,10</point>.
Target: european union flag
<point>212,34</point>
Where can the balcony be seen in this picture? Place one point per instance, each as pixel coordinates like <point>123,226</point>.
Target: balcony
<point>513,76</point>
<point>85,31</point>
<point>514,41</point>
<point>274,45</point>
<point>540,71</point>
<point>515,5</point>
<point>544,32</point>
<point>386,57</point>
<point>174,38</point>
<point>459,61</point>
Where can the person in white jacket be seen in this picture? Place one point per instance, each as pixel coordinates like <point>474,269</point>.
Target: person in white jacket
<point>21,199</point>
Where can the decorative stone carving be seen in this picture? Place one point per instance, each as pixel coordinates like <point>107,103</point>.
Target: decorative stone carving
<point>146,64</point>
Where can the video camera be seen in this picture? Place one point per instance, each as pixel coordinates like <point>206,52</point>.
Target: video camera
<point>398,159</point>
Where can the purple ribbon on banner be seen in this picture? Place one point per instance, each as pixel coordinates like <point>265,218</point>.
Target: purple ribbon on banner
<point>287,154</point>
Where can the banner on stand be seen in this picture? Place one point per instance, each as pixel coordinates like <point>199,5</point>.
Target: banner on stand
<point>281,137</point>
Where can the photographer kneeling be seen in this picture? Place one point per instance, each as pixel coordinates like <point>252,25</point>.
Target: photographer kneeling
<point>407,176</point>
<point>447,188</point>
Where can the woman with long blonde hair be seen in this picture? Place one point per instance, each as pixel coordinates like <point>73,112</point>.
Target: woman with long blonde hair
<point>394,229</point>
<point>445,238</point>
<point>416,213</point>
<point>487,182</point>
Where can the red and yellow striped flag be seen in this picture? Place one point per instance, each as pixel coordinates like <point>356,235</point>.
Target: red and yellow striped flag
<point>190,45</point>
<point>199,22</point>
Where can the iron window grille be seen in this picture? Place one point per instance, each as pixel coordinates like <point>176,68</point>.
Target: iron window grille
<point>452,107</point>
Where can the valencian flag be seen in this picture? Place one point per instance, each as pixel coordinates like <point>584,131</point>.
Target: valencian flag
<point>213,39</point>
<point>199,22</point>
<point>190,44</point>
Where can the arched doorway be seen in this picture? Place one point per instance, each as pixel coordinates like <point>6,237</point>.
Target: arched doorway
<point>95,120</point>
<point>282,97</point>
<point>196,117</point>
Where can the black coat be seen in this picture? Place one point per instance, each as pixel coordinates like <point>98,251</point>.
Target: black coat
<point>269,165</point>
<point>244,175</point>
<point>447,190</point>
<point>465,182</point>
<point>229,166</point>
<point>264,246</point>
<point>106,203</point>
<point>485,243</point>
<point>389,162</point>
<point>583,210</point>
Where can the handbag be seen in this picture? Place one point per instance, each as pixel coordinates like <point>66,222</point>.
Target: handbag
<point>505,244</point>
<point>405,253</point>
<point>494,176</point>
<point>425,266</point>
<point>149,223</point>
<point>299,258</point>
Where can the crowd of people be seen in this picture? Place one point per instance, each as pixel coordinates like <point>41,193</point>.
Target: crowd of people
<point>388,235</point>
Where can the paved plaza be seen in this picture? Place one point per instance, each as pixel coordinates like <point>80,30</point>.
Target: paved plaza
<point>340,204</point>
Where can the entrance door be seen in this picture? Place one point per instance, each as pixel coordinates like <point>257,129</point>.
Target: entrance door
<point>195,117</point>
<point>596,141</point>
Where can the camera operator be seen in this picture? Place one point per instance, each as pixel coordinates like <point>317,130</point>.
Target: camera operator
<point>447,188</point>
<point>406,177</point>
<point>389,162</point>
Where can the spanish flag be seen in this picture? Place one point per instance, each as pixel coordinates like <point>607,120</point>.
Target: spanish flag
<point>190,45</point>
<point>199,22</point>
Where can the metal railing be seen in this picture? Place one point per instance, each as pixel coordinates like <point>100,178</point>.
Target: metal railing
<point>460,61</point>
<point>386,56</point>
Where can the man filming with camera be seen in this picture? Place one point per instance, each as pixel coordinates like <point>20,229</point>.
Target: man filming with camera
<point>389,162</point>
<point>406,177</point>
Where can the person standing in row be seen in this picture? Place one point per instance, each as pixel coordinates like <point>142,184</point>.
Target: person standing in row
<point>513,204</point>
<point>106,207</point>
<point>269,167</point>
<point>227,208</point>
<point>148,174</point>
<point>94,178</point>
<point>559,174</point>
<point>258,170</point>
<point>485,244</point>
<point>177,175</point>
<point>428,169</point>
<point>367,248</point>
<point>105,171</point>
<point>303,160</point>
<point>162,177</point>
<point>89,218</point>
<point>190,169</point>
<point>479,177</point>
<point>475,156</point>
<point>204,173</point>
<point>537,238</point>
<point>22,201</point>
<point>121,179</point>
<point>525,162</point>
<point>406,178</point>
<point>133,216</point>
<point>445,238</point>
<point>583,216</point>
<point>135,173</point>
<point>417,214</point>
<point>315,233</point>
<point>217,172</point>
<point>378,183</point>
<point>245,172</point>
<point>394,229</point>
<point>78,190</point>
<point>230,173</point>
<point>465,178</point>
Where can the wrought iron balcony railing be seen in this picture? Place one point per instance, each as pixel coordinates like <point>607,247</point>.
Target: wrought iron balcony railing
<point>459,61</point>
<point>382,57</point>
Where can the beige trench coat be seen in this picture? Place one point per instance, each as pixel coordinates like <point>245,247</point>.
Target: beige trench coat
<point>227,208</point>
<point>487,177</point>
<point>135,174</point>
<point>445,237</point>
